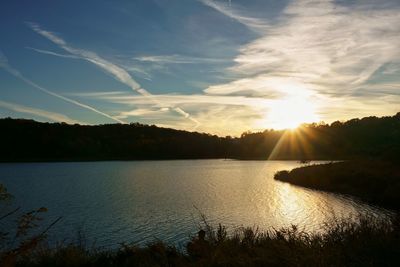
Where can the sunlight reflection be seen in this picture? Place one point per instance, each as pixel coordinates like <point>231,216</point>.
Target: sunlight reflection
<point>288,204</point>
<point>296,206</point>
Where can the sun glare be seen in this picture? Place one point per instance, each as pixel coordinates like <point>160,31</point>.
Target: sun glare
<point>289,113</point>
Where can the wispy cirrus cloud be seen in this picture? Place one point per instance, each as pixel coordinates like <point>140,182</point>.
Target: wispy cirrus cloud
<point>233,114</point>
<point>228,113</point>
<point>339,59</point>
<point>139,112</point>
<point>130,68</point>
<point>330,44</point>
<point>51,53</point>
<point>321,50</point>
<point>116,71</point>
<point>6,66</point>
<point>176,99</point>
<point>232,119</point>
<point>256,24</point>
<point>53,116</point>
<point>177,59</point>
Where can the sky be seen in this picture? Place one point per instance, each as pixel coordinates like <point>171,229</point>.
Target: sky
<point>217,66</point>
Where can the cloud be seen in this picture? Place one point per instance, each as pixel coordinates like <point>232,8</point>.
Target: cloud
<point>177,59</point>
<point>138,71</point>
<point>223,119</point>
<point>117,72</point>
<point>233,114</point>
<point>255,24</point>
<point>97,94</point>
<point>4,64</point>
<point>320,51</point>
<point>57,117</point>
<point>220,119</point>
<point>130,68</point>
<point>265,85</point>
<point>139,112</point>
<point>46,52</point>
<point>343,59</point>
<point>168,100</point>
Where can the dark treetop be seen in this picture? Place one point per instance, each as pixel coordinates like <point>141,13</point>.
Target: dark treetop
<point>28,140</point>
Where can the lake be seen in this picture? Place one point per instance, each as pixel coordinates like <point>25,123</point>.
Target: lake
<point>142,201</point>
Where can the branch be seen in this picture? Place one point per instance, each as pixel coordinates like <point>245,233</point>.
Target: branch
<point>48,227</point>
<point>10,213</point>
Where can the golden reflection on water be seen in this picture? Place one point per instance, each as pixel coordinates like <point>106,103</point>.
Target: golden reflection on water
<point>138,201</point>
<point>294,205</point>
<point>311,209</point>
<point>288,203</point>
<point>244,193</point>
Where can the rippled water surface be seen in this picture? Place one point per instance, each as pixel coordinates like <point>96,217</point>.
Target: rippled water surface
<point>140,201</point>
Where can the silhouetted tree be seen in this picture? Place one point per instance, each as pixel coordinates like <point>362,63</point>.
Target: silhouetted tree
<point>28,140</point>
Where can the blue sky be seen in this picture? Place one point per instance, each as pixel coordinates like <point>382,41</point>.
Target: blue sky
<point>222,67</point>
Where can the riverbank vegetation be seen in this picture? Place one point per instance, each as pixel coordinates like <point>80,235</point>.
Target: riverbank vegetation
<point>27,140</point>
<point>374,181</point>
<point>363,242</point>
<point>358,241</point>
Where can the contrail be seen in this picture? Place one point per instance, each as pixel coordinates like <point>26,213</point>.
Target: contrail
<point>119,73</point>
<point>4,64</point>
<point>51,53</point>
<point>39,112</point>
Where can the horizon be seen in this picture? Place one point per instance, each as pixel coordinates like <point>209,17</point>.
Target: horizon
<point>221,136</point>
<point>218,67</point>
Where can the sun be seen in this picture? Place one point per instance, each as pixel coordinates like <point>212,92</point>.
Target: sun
<point>291,112</point>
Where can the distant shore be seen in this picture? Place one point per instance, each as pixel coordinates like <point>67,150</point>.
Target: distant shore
<point>374,181</point>
<point>61,160</point>
<point>24,140</point>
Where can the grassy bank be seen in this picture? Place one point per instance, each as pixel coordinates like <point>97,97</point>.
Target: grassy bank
<point>359,241</point>
<point>376,182</point>
<point>368,242</point>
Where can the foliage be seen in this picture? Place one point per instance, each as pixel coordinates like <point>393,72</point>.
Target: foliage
<point>364,241</point>
<point>18,230</point>
<point>359,241</point>
<point>375,181</point>
<point>27,140</point>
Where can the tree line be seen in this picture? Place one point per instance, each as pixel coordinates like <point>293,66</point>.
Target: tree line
<point>28,140</point>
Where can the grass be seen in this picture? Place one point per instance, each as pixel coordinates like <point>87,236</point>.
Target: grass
<point>359,241</point>
<point>377,182</point>
<point>364,241</point>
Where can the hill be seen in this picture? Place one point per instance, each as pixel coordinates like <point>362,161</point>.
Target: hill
<point>28,140</point>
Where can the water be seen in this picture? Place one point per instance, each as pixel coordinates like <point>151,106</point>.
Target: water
<point>142,201</point>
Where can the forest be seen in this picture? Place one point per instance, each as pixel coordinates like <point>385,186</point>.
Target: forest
<point>366,138</point>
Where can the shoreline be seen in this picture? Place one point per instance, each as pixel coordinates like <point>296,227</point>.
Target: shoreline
<point>373,181</point>
<point>367,241</point>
